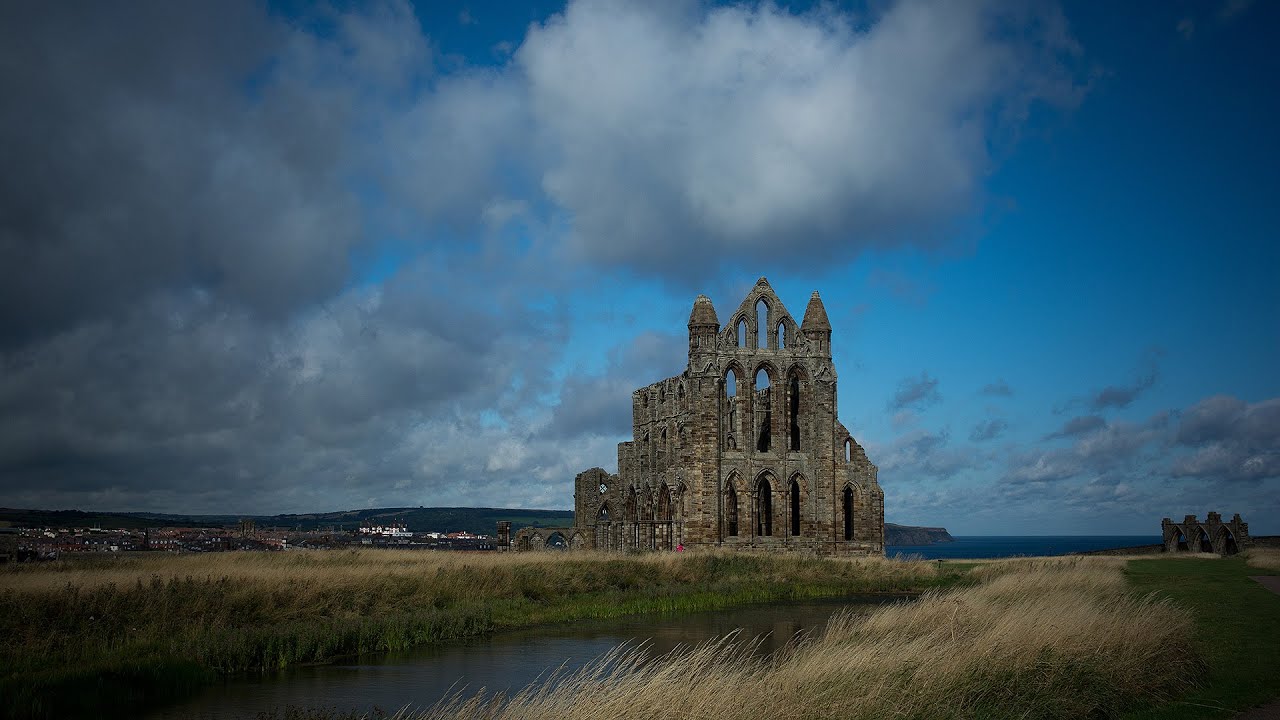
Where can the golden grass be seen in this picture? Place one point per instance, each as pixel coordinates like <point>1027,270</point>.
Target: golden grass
<point>1039,638</point>
<point>1265,558</point>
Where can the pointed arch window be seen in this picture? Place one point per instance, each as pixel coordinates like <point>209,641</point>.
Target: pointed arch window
<point>794,412</point>
<point>782,336</point>
<point>762,323</point>
<point>848,449</point>
<point>848,512</point>
<point>764,508</point>
<point>731,510</point>
<point>795,507</point>
<point>763,411</point>
<point>742,332</point>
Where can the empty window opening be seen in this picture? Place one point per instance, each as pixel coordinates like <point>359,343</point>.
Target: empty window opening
<point>731,510</point>
<point>763,411</point>
<point>603,516</point>
<point>795,412</point>
<point>848,449</point>
<point>1182,543</point>
<point>762,321</point>
<point>782,336</point>
<point>664,504</point>
<point>731,407</point>
<point>795,508</point>
<point>1205,546</point>
<point>848,513</point>
<point>742,333</point>
<point>557,542</point>
<point>764,509</point>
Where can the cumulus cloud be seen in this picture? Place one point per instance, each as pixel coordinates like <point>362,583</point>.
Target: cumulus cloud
<point>600,404</point>
<point>915,393</point>
<point>669,131</point>
<point>1231,440</point>
<point>921,454</point>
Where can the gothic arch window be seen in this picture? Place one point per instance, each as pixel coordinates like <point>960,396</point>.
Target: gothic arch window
<point>731,509</point>
<point>782,336</point>
<point>742,332</point>
<point>848,449</point>
<point>762,322</point>
<point>795,507</point>
<point>664,504</point>
<point>847,502</point>
<point>764,508</point>
<point>731,407</point>
<point>793,412</point>
<point>603,515</point>
<point>763,412</point>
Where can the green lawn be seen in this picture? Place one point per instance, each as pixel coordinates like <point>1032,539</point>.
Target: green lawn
<point>1237,632</point>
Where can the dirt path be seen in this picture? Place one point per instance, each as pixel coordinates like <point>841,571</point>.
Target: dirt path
<point>1270,582</point>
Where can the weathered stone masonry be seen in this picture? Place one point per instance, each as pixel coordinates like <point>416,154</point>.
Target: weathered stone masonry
<point>742,449</point>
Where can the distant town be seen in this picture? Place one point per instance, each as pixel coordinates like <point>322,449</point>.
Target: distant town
<point>48,543</point>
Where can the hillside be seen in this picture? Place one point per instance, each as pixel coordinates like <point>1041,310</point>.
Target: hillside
<point>480,521</point>
<point>908,535</point>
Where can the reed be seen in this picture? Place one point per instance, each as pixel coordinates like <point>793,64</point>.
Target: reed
<point>177,620</point>
<point>1044,639</point>
<point>1264,558</point>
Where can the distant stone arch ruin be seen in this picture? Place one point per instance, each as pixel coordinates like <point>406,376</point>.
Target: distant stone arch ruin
<point>1211,535</point>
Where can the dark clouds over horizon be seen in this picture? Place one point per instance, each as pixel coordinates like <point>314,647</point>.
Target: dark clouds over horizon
<point>269,262</point>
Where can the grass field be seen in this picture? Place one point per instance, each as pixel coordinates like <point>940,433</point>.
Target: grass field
<point>1190,637</point>
<point>125,631</point>
<point>1036,639</point>
<point>1237,632</point>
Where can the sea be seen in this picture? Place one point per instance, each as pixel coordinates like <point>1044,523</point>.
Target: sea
<point>999,546</point>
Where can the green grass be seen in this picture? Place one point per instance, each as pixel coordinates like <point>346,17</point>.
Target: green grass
<point>1237,632</point>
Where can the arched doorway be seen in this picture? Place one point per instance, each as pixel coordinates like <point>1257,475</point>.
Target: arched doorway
<point>764,508</point>
<point>847,502</point>
<point>795,507</point>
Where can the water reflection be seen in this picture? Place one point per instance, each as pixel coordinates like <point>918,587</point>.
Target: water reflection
<point>504,662</point>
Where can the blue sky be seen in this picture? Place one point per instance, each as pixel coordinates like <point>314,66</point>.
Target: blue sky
<point>286,258</point>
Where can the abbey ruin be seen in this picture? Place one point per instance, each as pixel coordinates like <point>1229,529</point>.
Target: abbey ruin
<point>742,449</point>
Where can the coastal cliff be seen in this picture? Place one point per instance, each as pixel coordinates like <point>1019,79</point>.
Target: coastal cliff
<point>908,535</point>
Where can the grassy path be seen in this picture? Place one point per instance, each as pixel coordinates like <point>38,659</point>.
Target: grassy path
<point>1237,632</point>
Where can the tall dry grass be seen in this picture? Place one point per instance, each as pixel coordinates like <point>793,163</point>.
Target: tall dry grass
<point>1038,639</point>
<point>172,619</point>
<point>1264,558</point>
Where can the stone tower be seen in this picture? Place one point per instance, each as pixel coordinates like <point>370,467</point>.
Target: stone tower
<point>742,449</point>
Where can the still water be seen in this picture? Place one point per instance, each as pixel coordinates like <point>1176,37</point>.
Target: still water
<point>505,661</point>
<point>974,546</point>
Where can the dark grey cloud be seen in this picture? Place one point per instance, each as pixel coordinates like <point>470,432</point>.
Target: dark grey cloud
<point>999,388</point>
<point>1121,396</point>
<point>1230,440</point>
<point>159,148</point>
<point>1078,426</point>
<point>989,430</point>
<point>915,392</point>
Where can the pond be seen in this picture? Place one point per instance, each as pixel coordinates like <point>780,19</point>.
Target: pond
<point>504,661</point>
